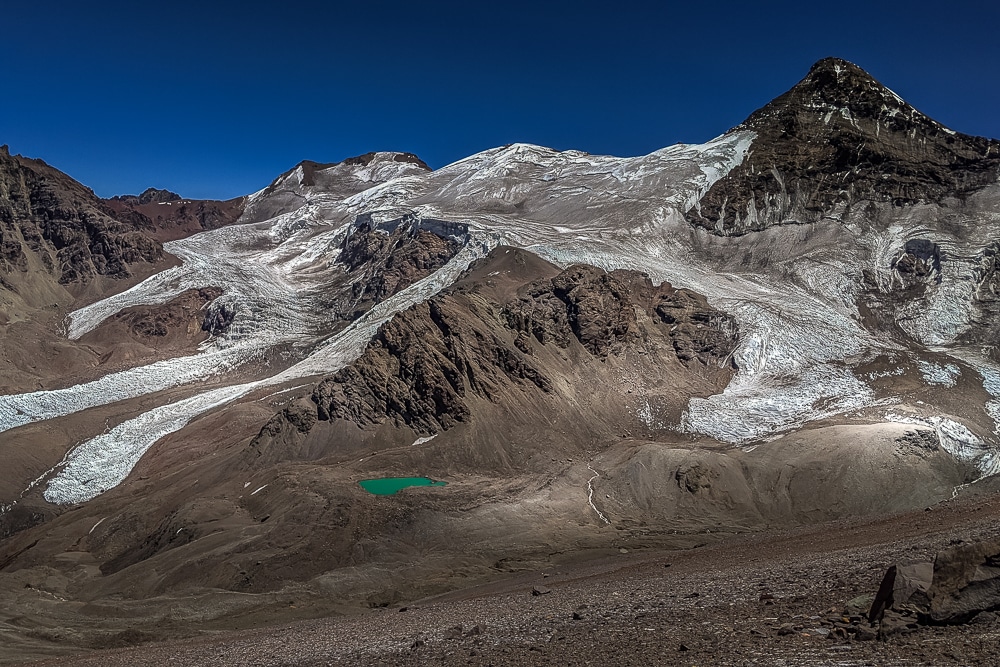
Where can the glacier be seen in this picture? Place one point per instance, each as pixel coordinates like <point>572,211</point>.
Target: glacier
<point>799,326</point>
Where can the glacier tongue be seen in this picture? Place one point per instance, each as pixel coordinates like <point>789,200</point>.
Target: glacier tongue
<point>104,462</point>
<point>259,276</point>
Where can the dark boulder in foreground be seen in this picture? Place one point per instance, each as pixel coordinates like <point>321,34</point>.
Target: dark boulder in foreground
<point>958,585</point>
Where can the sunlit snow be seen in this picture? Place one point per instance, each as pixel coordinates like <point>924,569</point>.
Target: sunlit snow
<point>798,323</point>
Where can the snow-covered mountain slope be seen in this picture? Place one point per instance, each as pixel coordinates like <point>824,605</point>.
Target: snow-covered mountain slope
<point>833,289</point>
<point>314,182</point>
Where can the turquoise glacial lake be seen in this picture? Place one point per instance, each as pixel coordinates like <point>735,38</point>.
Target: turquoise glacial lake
<point>387,486</point>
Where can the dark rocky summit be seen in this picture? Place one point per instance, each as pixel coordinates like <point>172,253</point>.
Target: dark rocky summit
<point>149,196</point>
<point>837,140</point>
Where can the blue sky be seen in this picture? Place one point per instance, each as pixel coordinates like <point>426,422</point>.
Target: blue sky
<point>214,99</point>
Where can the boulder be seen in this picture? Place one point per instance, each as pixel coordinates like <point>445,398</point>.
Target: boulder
<point>961,583</point>
<point>966,582</point>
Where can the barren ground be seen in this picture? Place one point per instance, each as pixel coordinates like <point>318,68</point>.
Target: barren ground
<point>696,607</point>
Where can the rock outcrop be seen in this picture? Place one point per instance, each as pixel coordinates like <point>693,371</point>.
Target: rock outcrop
<point>599,310</point>
<point>426,368</point>
<point>180,314</point>
<point>218,317</point>
<point>381,260</point>
<point>149,196</point>
<point>420,368</point>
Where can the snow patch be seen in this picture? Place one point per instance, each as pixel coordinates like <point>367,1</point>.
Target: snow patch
<point>945,375</point>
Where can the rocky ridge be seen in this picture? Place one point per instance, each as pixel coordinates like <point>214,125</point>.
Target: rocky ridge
<point>169,216</point>
<point>52,224</point>
<point>149,196</point>
<point>381,260</point>
<point>495,340</point>
<point>314,180</point>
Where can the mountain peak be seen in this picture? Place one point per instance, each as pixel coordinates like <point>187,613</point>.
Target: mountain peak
<point>158,195</point>
<point>386,156</point>
<point>833,88</point>
<point>836,138</point>
<point>150,196</point>
<point>836,66</point>
<point>306,170</point>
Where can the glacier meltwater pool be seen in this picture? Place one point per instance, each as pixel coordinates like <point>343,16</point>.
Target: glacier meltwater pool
<point>387,486</point>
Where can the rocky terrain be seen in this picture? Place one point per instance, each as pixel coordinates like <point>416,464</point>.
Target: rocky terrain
<point>776,597</point>
<point>55,226</point>
<point>168,216</point>
<point>836,141</point>
<point>765,361</point>
<point>57,232</point>
<point>63,247</point>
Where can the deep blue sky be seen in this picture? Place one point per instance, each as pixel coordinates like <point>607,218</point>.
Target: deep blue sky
<point>214,99</point>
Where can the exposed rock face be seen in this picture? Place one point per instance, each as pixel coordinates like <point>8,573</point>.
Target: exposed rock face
<point>49,219</point>
<point>218,318</point>
<point>367,158</point>
<point>149,196</point>
<point>168,216</point>
<point>598,309</point>
<point>423,365</point>
<point>420,368</point>
<point>919,262</point>
<point>966,581</point>
<point>381,261</point>
<point>159,321</point>
<point>986,298</point>
<point>835,140</point>
<point>582,302</point>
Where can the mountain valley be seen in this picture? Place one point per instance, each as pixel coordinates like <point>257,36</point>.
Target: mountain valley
<point>787,330</point>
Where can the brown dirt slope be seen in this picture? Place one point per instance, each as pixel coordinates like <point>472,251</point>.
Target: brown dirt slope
<point>775,598</point>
